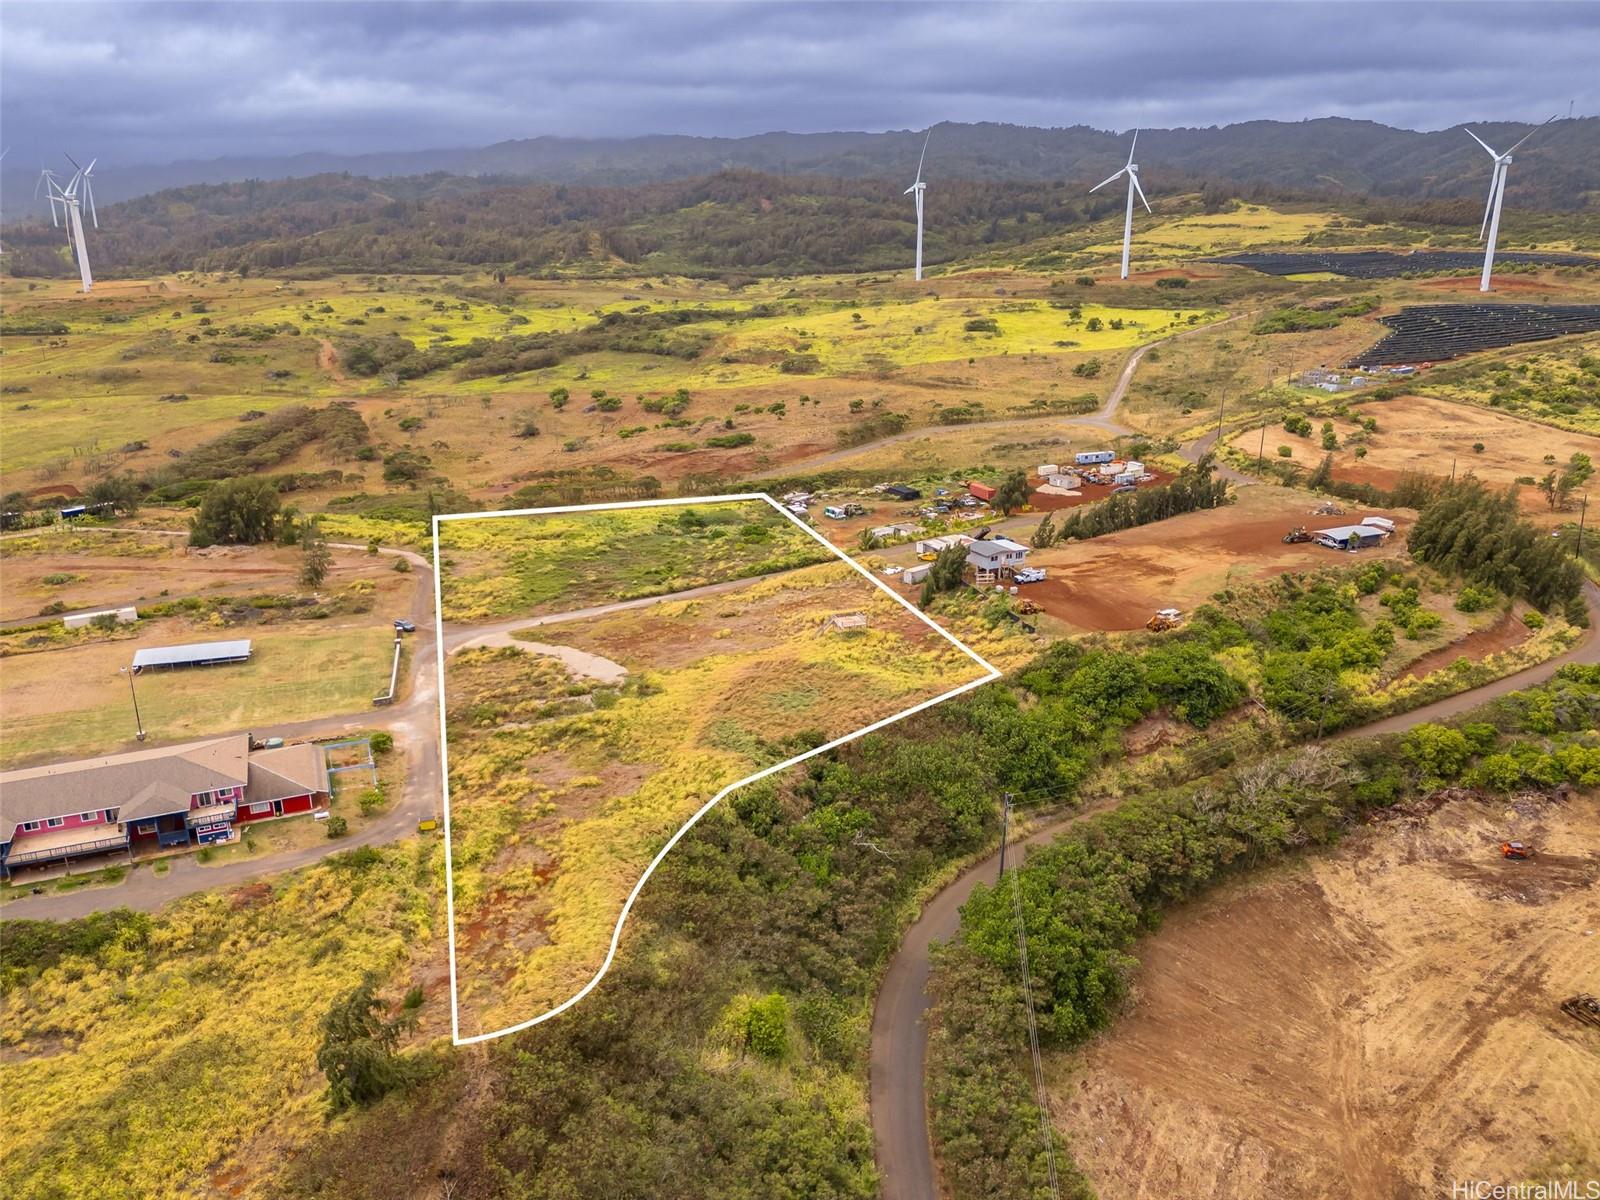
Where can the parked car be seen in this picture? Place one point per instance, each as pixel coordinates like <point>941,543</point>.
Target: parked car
<point>1125,487</point>
<point>855,510</point>
<point>404,626</point>
<point>1029,575</point>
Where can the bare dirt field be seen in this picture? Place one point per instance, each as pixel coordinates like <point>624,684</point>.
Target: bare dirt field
<point>1377,1022</point>
<point>1422,433</point>
<point>1116,582</point>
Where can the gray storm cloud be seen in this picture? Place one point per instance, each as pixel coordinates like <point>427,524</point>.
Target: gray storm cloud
<point>160,82</point>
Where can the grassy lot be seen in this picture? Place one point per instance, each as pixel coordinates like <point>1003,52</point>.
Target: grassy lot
<point>196,1028</point>
<point>511,566</point>
<point>561,791</point>
<point>67,703</point>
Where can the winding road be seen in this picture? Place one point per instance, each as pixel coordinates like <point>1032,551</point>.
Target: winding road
<point>899,1046</point>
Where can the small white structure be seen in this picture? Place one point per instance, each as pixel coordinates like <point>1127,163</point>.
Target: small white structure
<point>122,616</point>
<point>893,531</point>
<point>1064,480</point>
<point>917,573</point>
<point>1047,469</point>
<point>934,545</point>
<point>1380,522</point>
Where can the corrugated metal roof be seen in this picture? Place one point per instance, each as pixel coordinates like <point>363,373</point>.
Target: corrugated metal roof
<point>1342,532</point>
<point>192,654</point>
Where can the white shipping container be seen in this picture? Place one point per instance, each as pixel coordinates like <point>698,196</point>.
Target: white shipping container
<point>124,616</point>
<point>1048,469</point>
<point>917,573</point>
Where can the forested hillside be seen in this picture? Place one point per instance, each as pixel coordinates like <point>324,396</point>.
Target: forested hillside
<point>1560,169</point>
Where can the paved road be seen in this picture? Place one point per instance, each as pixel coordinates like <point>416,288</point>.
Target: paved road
<point>414,721</point>
<point>899,1047</point>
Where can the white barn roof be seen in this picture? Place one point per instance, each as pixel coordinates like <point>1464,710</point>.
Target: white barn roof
<point>193,654</point>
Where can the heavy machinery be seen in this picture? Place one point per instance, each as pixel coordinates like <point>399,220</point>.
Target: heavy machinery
<point>1296,535</point>
<point>930,556</point>
<point>1167,618</point>
<point>1583,1008</point>
<point>1027,608</point>
<point>1515,850</point>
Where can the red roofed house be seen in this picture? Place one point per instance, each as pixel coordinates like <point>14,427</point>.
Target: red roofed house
<point>183,795</point>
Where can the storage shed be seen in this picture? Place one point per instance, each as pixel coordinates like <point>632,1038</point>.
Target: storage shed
<point>195,654</point>
<point>982,491</point>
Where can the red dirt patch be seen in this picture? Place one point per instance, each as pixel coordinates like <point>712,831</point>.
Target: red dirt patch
<point>1501,283</point>
<point>1505,633</point>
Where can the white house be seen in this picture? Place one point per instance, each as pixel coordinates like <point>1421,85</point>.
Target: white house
<point>994,557</point>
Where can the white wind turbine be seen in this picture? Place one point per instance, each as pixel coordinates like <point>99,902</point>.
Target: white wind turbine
<point>916,190</point>
<point>70,201</point>
<point>1131,170</point>
<point>1497,193</point>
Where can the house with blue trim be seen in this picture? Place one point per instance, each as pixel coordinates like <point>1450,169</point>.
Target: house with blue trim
<point>191,794</point>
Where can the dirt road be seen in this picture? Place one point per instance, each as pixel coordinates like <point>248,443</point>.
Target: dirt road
<point>899,1046</point>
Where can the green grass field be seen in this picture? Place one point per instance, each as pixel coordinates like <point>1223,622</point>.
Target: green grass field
<point>511,566</point>
<point>74,702</point>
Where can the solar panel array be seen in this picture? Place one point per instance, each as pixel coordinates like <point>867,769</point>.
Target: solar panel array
<point>1436,332</point>
<point>1385,264</point>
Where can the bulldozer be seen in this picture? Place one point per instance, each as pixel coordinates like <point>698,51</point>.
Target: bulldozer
<point>1167,618</point>
<point>1296,535</point>
<point>1515,850</point>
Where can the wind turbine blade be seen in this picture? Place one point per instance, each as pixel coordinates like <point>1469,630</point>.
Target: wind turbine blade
<point>1494,182</point>
<point>1135,145</point>
<point>88,193</point>
<point>909,190</point>
<point>73,161</point>
<point>1133,178</point>
<point>90,167</point>
<point>1480,141</point>
<point>1112,179</point>
<point>1531,132</point>
<point>924,155</point>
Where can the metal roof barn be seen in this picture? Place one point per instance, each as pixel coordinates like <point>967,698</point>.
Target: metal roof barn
<point>195,654</point>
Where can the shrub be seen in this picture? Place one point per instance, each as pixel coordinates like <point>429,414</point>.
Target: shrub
<point>383,740</point>
<point>338,827</point>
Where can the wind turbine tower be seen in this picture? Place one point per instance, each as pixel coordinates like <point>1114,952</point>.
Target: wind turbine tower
<point>1131,170</point>
<point>70,199</point>
<point>916,190</point>
<point>1497,193</point>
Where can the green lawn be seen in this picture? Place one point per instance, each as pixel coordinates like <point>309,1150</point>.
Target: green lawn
<point>62,703</point>
<point>510,566</point>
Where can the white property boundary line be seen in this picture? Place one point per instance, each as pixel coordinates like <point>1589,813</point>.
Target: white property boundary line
<point>991,673</point>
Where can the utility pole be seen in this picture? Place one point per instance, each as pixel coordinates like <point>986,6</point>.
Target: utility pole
<point>1005,833</point>
<point>1322,713</point>
<point>1221,408</point>
<point>1261,452</point>
<point>1452,468</point>
<point>1582,513</point>
<point>138,722</point>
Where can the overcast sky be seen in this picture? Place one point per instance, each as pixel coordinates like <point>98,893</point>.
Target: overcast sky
<point>158,82</point>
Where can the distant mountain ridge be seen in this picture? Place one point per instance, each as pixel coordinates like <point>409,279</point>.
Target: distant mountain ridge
<point>1558,169</point>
